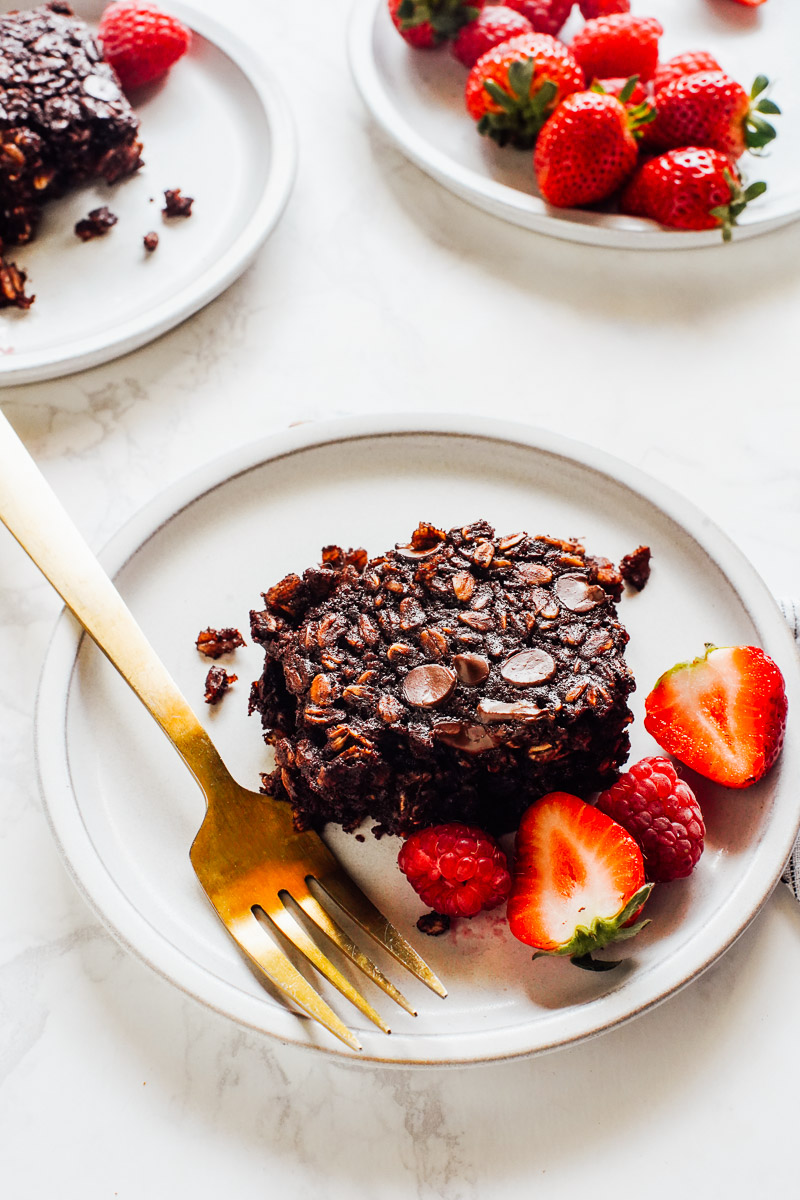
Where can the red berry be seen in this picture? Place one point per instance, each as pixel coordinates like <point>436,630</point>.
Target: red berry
<point>578,879</point>
<point>494,25</point>
<point>613,87</point>
<point>458,870</point>
<point>602,8</point>
<point>546,16</point>
<point>661,813</point>
<point>723,714</point>
<point>684,64</point>
<point>711,109</point>
<point>140,42</point>
<point>427,23</point>
<point>619,44</point>
<point>586,150</point>
<point>513,89</point>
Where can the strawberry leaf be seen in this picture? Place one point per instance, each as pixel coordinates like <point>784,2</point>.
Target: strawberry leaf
<point>500,96</point>
<point>628,89</point>
<point>520,77</point>
<point>760,84</point>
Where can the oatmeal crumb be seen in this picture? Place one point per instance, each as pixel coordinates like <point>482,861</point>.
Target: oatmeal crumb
<point>97,224</point>
<point>434,924</point>
<point>177,205</point>
<point>216,642</point>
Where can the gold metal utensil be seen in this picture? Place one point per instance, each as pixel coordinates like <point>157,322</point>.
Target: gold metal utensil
<point>247,855</point>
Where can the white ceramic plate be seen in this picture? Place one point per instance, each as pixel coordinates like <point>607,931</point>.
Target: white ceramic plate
<point>219,129</point>
<point>124,810</point>
<point>417,98</point>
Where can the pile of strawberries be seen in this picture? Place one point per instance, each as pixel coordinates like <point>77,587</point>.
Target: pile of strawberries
<point>607,121</point>
<point>583,871</point>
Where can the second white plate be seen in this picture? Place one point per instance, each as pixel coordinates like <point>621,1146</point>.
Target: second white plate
<point>219,129</point>
<point>124,809</point>
<point>417,98</point>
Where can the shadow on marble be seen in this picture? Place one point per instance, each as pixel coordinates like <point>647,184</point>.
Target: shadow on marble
<point>632,286</point>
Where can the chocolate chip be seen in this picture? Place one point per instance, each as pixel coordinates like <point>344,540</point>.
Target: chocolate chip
<point>428,685</point>
<point>528,667</point>
<point>411,553</point>
<point>490,711</point>
<point>577,594</point>
<point>101,88</point>
<point>471,669</point>
<point>534,572</point>
<point>470,739</point>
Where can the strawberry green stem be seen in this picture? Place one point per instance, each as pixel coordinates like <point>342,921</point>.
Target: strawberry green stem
<point>603,930</point>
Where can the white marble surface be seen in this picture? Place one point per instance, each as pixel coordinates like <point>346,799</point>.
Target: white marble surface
<point>379,291</point>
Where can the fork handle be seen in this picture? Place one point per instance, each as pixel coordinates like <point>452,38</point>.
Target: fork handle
<point>34,515</point>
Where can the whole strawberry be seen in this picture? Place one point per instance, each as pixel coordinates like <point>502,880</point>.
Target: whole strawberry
<point>661,813</point>
<point>140,42</point>
<point>602,8</point>
<point>688,63</point>
<point>493,25</point>
<point>586,150</point>
<point>513,89</point>
<point>458,870</point>
<point>691,188</point>
<point>427,23</point>
<point>619,44</point>
<point>723,714</point>
<point>546,16</point>
<point>711,109</point>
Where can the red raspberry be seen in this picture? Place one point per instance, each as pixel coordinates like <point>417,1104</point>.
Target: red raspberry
<point>601,8</point>
<point>546,16</point>
<point>458,870</point>
<point>140,42</point>
<point>493,26</point>
<point>661,813</point>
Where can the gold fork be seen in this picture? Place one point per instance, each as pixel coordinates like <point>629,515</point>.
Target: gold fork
<point>247,855</point>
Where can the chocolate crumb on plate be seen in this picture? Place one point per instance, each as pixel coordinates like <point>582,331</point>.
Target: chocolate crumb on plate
<point>218,681</point>
<point>97,224</point>
<point>454,678</point>
<point>635,567</point>
<point>150,241</point>
<point>12,286</point>
<point>216,642</point>
<point>434,924</point>
<point>177,205</point>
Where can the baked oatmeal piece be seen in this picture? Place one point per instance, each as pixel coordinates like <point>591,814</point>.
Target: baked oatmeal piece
<point>63,117</point>
<point>454,678</point>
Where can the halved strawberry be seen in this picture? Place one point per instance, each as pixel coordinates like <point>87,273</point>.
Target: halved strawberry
<point>578,880</point>
<point>723,714</point>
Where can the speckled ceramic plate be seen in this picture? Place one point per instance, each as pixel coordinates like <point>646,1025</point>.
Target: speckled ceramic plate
<point>417,98</point>
<point>124,809</point>
<point>219,129</point>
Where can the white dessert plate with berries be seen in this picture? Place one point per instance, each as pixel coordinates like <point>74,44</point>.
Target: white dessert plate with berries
<point>124,810</point>
<point>417,97</point>
<point>215,128</point>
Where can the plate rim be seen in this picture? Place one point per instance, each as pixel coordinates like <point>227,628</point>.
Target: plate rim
<point>523,209</point>
<point>34,366</point>
<point>130,927</point>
